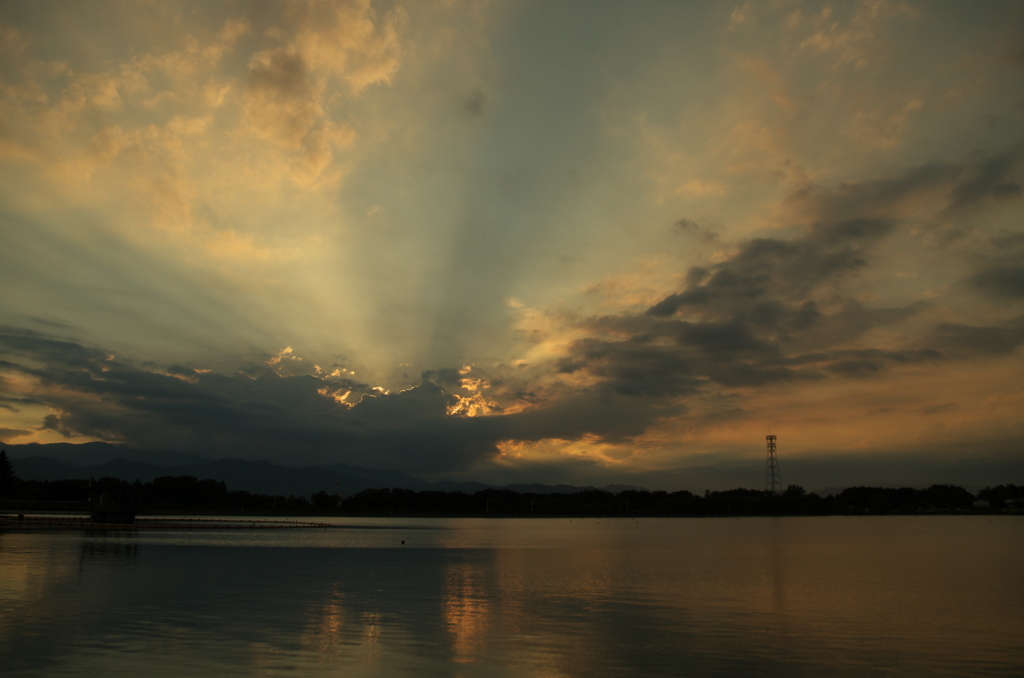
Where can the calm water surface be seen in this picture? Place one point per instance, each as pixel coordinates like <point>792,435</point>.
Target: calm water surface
<point>903,596</point>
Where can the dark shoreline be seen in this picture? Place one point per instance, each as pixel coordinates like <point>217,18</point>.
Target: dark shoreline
<point>267,520</point>
<point>111,500</point>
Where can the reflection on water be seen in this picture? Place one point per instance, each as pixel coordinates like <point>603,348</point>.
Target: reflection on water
<point>782,596</point>
<point>114,545</point>
<point>466,611</point>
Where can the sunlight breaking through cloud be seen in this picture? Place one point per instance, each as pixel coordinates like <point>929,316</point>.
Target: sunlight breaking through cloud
<point>490,240</point>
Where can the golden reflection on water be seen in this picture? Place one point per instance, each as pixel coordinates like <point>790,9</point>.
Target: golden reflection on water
<point>543,594</point>
<point>335,632</point>
<point>465,611</point>
<point>262,658</point>
<point>371,635</point>
<point>29,577</point>
<point>325,630</point>
<point>18,580</point>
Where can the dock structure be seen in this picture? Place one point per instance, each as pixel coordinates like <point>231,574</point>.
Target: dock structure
<point>109,515</point>
<point>65,522</point>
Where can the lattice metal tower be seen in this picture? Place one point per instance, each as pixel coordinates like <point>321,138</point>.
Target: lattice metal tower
<point>772,479</point>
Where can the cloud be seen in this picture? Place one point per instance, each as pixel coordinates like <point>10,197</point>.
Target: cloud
<point>851,35</point>
<point>750,320</point>
<point>883,127</point>
<point>691,228</point>
<point>444,377</point>
<point>280,97</point>
<point>943,197</point>
<point>349,40</point>
<point>9,434</point>
<point>202,187</point>
<point>980,340</point>
<point>1008,240</point>
<point>991,178</point>
<point>1001,281</point>
<point>867,362</point>
<point>264,411</point>
<point>778,316</point>
<point>790,310</point>
<point>767,267</point>
<point>999,269</point>
<point>290,96</point>
<point>183,132</point>
<point>940,409</point>
<point>633,368</point>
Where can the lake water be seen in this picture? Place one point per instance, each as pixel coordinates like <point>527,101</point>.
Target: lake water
<point>907,596</point>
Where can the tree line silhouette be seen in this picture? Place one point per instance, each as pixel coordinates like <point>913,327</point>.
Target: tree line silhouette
<point>186,493</point>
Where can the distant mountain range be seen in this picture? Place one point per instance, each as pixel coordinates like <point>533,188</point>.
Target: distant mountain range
<point>60,461</point>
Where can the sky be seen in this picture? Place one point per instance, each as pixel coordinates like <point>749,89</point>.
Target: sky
<point>513,241</point>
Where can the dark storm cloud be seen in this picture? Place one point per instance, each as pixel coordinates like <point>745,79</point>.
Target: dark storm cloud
<point>601,412</point>
<point>1007,240</point>
<point>972,340</point>
<point>867,355</point>
<point>258,413</point>
<point>99,395</point>
<point>1010,189</point>
<point>956,189</point>
<point>634,367</point>
<point>767,266</point>
<point>963,185</point>
<point>999,274</point>
<point>739,352</point>
<point>778,311</point>
<point>1001,281</point>
<point>52,422</point>
<point>445,377</point>
<point>876,197</point>
<point>987,179</point>
<point>48,349</point>
<point>440,442</point>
